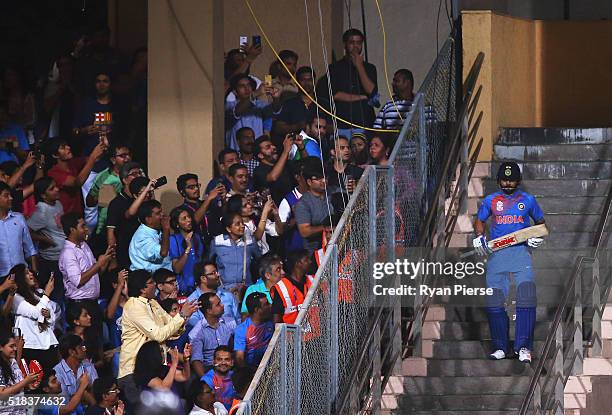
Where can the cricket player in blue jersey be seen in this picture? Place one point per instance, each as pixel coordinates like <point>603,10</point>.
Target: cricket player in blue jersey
<point>511,210</point>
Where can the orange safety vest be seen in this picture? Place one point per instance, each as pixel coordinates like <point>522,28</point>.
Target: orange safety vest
<point>293,299</point>
<point>345,274</point>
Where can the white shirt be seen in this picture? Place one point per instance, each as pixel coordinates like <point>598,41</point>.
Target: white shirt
<point>27,317</point>
<point>250,227</point>
<point>219,410</point>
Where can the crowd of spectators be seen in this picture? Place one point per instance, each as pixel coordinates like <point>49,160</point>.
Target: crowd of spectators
<point>115,297</point>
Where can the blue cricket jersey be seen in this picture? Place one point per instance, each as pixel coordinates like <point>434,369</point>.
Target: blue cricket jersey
<point>253,340</point>
<point>510,212</point>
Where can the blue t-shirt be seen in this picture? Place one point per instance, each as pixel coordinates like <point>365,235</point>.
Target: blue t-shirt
<point>511,213</point>
<point>185,279</point>
<point>222,387</point>
<point>253,340</point>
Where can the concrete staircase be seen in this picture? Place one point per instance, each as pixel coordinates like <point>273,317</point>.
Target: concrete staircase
<point>570,172</point>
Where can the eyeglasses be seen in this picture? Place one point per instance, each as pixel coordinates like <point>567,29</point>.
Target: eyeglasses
<point>193,186</point>
<point>318,179</point>
<point>211,274</point>
<point>116,390</point>
<point>136,173</point>
<point>123,155</point>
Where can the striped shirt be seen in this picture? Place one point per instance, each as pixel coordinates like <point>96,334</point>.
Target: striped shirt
<point>388,117</point>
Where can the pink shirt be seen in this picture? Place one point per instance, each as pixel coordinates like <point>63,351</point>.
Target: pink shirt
<point>73,261</point>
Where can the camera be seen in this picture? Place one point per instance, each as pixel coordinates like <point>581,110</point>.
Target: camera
<point>16,332</point>
<point>160,182</point>
<point>256,40</point>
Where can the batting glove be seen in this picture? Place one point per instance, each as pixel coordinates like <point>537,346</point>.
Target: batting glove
<point>534,242</point>
<point>481,246</point>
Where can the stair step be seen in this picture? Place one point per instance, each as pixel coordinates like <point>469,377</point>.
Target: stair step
<point>477,367</point>
<point>563,169</point>
<point>547,136</point>
<point>477,314</point>
<point>548,295</point>
<point>557,204</point>
<point>469,403</point>
<point>548,187</point>
<point>466,385</point>
<point>466,350</point>
<point>554,152</point>
<point>472,331</point>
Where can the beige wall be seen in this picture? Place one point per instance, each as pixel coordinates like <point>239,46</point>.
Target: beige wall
<point>285,24</point>
<point>538,73</point>
<point>185,112</point>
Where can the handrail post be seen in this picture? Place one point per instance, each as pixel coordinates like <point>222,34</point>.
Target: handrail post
<point>373,241</point>
<point>297,364</point>
<point>422,147</point>
<point>334,329</point>
<point>283,370</point>
<point>596,336</point>
<point>391,256</point>
<point>376,371</point>
<point>577,343</point>
<point>558,369</point>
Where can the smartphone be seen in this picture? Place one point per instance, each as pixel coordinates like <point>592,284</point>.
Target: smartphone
<point>243,42</point>
<point>16,332</point>
<point>256,40</point>
<point>268,80</point>
<point>160,182</point>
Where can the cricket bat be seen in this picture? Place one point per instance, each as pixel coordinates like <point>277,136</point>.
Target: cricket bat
<point>513,238</point>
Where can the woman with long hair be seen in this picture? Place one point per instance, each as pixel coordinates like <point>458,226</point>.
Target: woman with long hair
<point>35,317</point>
<point>12,382</point>
<point>151,372</point>
<point>186,248</point>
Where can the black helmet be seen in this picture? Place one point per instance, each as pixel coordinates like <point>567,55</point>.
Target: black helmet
<point>509,170</point>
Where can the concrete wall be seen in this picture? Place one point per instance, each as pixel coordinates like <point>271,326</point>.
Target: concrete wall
<point>185,106</point>
<point>128,23</point>
<point>285,24</point>
<point>538,73</point>
<point>410,27</point>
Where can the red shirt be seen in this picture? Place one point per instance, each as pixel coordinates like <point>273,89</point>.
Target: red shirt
<point>70,197</point>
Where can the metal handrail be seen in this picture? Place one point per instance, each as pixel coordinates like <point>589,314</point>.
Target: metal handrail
<point>603,219</point>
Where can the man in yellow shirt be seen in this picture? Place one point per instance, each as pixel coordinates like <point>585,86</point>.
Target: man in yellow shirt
<point>144,320</point>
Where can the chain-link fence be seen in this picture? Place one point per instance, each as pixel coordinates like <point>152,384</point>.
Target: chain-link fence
<point>313,367</point>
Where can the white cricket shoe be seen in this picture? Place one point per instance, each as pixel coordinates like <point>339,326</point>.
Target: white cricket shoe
<point>498,355</point>
<point>525,355</point>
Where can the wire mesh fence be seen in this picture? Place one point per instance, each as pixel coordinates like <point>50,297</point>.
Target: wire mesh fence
<point>309,368</point>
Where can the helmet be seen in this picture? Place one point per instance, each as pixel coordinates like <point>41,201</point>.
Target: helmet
<point>509,170</point>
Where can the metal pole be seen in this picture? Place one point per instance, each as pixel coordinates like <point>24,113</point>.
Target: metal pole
<point>558,369</point>
<point>334,329</point>
<point>597,342</point>
<point>577,344</point>
<point>283,371</point>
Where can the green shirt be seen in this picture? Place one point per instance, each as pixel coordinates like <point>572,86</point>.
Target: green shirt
<point>106,176</point>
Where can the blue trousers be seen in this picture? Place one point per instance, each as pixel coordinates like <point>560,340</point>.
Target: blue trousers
<point>512,262</point>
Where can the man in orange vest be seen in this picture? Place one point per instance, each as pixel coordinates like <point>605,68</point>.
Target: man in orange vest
<point>289,293</point>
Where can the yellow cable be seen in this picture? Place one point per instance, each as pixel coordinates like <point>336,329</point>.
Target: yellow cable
<point>384,33</point>
<point>248,3</point>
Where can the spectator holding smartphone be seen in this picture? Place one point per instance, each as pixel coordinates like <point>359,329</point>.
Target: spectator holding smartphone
<point>33,316</point>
